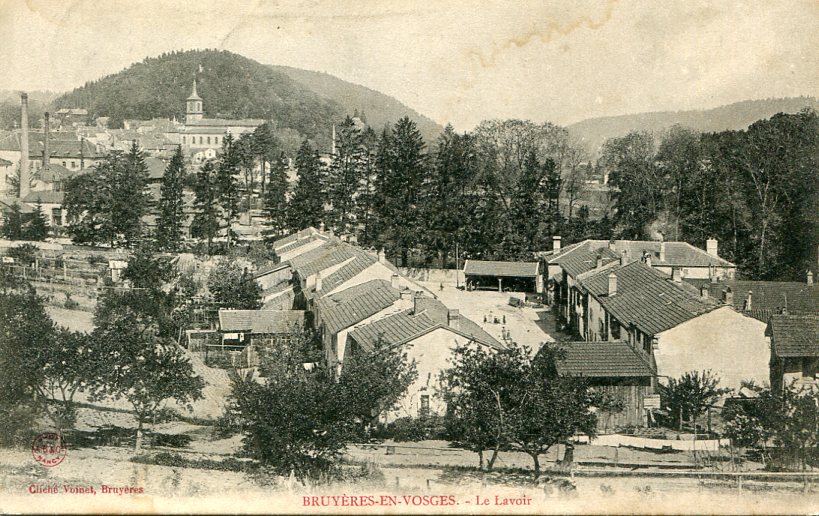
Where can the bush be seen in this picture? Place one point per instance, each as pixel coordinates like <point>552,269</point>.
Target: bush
<point>24,254</point>
<point>70,304</point>
<point>96,259</point>
<point>412,429</point>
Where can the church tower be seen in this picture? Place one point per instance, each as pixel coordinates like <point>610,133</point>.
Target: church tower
<point>193,110</point>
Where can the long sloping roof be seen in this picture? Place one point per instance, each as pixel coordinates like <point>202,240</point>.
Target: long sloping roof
<point>46,196</point>
<point>647,298</point>
<point>794,335</point>
<point>294,237</point>
<point>350,306</point>
<point>607,359</point>
<point>679,254</point>
<point>503,269</point>
<point>579,263</point>
<point>301,242</point>
<point>770,295</point>
<point>438,312</point>
<point>261,321</point>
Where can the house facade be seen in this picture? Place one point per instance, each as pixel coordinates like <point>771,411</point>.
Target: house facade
<point>794,350</point>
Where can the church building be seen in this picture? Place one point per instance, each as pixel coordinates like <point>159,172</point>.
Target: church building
<point>201,137</point>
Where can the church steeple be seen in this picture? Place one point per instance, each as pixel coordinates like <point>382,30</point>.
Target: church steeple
<point>193,109</point>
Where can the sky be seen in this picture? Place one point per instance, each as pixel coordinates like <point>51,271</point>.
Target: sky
<point>455,61</point>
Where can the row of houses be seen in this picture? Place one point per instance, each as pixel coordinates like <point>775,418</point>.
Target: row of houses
<point>682,309</point>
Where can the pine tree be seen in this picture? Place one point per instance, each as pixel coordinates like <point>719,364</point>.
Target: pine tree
<point>171,204</point>
<point>13,223</point>
<point>306,206</point>
<point>206,189</point>
<point>36,227</point>
<point>266,147</point>
<point>275,198</point>
<point>366,187</point>
<point>228,188</point>
<point>401,172</point>
<point>129,196</point>
<point>344,175</point>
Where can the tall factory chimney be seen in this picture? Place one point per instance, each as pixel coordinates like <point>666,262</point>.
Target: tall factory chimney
<point>46,133</point>
<point>24,168</point>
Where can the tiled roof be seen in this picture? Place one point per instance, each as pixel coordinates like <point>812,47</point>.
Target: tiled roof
<point>393,330</point>
<point>45,197</point>
<point>607,359</point>
<point>350,306</point>
<point>298,243</point>
<point>5,163</point>
<point>225,122</point>
<point>348,271</point>
<point>331,255</point>
<point>409,324</point>
<point>7,202</point>
<point>271,268</point>
<point>504,269</point>
<point>54,172</point>
<point>260,321</point>
<point>437,311</point>
<point>60,145</point>
<point>681,254</point>
<point>293,237</point>
<point>647,298</point>
<point>794,335</point>
<point>770,295</point>
<point>156,168</point>
<point>579,263</point>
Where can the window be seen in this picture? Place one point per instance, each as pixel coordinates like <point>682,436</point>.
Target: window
<point>183,140</point>
<point>57,216</point>
<point>423,409</point>
<point>208,140</point>
<point>64,163</point>
<point>215,139</point>
<point>200,140</point>
<point>73,164</point>
<point>615,329</point>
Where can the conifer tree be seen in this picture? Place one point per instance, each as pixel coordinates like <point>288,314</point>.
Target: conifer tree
<point>306,206</point>
<point>228,188</point>
<point>129,199</point>
<point>13,223</point>
<point>206,188</point>
<point>36,227</point>
<point>275,198</point>
<point>344,175</point>
<point>171,204</point>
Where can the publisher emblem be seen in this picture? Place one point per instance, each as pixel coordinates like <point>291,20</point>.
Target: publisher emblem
<point>49,449</point>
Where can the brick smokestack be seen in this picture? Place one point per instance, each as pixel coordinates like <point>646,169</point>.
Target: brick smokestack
<point>24,166</point>
<point>46,134</point>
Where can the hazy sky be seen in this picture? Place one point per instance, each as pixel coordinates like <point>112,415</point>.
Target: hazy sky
<point>454,61</point>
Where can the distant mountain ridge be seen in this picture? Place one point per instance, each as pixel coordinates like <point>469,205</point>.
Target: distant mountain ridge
<point>593,132</point>
<point>233,86</point>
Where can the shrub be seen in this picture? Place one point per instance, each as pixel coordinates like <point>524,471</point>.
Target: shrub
<point>96,259</point>
<point>70,304</point>
<point>24,254</point>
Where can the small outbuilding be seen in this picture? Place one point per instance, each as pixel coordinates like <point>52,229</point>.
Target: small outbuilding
<point>503,276</point>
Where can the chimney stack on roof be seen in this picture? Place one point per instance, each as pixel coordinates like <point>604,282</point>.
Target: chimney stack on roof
<point>415,297</point>
<point>712,247</point>
<point>394,281</point>
<point>648,259</point>
<point>623,258</point>
<point>382,256</point>
<point>810,277</point>
<point>612,284</point>
<point>25,182</point>
<point>662,250</point>
<point>749,301</point>
<point>676,274</point>
<point>46,133</point>
<point>556,243</point>
<point>599,261</point>
<point>728,296</point>
<point>704,292</point>
<point>321,227</point>
<point>453,319</point>
<point>612,245</point>
<point>318,281</point>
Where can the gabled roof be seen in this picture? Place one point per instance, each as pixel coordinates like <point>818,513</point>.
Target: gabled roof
<point>156,168</point>
<point>503,269</point>
<point>677,254</point>
<point>261,321</point>
<point>647,298</point>
<point>53,173</point>
<point>299,243</point>
<point>293,237</point>
<point>410,324</point>
<point>6,202</point>
<point>770,295</point>
<point>47,196</point>
<point>60,145</point>
<point>579,263</point>
<point>606,359</point>
<point>794,335</point>
<point>361,261</point>
<point>350,306</point>
<point>225,122</point>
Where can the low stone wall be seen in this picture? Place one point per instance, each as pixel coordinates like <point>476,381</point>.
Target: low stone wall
<point>434,275</point>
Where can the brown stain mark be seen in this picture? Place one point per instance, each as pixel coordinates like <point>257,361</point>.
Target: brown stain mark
<point>546,35</point>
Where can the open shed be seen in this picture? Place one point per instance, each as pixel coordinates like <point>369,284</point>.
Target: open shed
<point>503,276</point>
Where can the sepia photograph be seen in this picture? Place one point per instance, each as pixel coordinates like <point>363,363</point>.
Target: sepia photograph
<point>403,257</point>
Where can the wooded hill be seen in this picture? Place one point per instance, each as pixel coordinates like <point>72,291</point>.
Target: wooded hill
<point>234,86</point>
<point>594,132</point>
